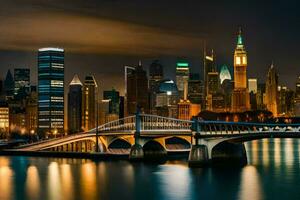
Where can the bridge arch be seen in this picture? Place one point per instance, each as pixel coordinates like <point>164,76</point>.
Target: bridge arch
<point>154,151</point>
<point>178,142</point>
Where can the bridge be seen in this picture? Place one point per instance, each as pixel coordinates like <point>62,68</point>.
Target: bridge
<point>144,136</point>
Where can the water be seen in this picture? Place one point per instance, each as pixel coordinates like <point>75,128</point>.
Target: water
<point>273,173</point>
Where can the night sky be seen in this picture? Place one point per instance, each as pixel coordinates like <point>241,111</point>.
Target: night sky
<point>100,37</point>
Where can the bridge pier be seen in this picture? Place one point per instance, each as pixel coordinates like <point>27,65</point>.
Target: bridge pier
<point>137,152</point>
<point>198,156</point>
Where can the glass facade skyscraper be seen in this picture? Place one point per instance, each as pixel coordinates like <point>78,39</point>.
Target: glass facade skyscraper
<point>50,91</point>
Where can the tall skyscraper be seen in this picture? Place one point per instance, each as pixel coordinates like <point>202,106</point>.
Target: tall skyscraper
<point>137,90</point>
<point>75,105</point>
<point>240,95</point>
<point>51,91</point>
<point>182,77</point>
<point>89,101</point>
<point>271,90</point>
<point>9,85</point>
<point>22,80</point>
<point>155,76</point>
<point>252,84</point>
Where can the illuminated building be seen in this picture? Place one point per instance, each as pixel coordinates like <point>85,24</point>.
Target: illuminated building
<point>227,89</point>
<point>89,100</point>
<point>182,76</point>
<point>50,91</point>
<point>4,118</point>
<point>75,105</point>
<point>261,96</point>
<point>297,98</point>
<point>240,96</point>
<point>105,114</point>
<point>17,120</point>
<point>21,79</point>
<point>195,89</point>
<point>31,112</point>
<point>285,101</point>
<point>9,85</point>
<point>167,99</point>
<point>224,74</point>
<point>271,90</point>
<point>155,76</point>
<point>209,79</point>
<point>252,85</point>
<point>136,90</point>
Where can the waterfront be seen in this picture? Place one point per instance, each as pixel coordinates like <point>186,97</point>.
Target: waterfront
<point>272,173</point>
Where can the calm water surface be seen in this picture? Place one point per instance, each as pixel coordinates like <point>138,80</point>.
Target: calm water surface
<point>273,173</point>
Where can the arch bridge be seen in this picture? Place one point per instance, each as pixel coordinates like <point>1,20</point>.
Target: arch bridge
<point>145,136</point>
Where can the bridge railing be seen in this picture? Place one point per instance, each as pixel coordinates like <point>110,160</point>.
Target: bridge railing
<point>153,122</point>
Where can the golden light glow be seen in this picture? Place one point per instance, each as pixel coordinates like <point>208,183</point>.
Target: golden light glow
<point>33,183</point>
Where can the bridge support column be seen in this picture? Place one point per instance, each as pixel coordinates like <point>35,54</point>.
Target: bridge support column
<point>137,152</point>
<point>198,156</point>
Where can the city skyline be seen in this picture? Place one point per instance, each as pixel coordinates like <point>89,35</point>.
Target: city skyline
<point>260,30</point>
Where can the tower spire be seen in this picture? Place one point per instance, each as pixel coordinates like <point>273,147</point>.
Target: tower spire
<point>240,38</point>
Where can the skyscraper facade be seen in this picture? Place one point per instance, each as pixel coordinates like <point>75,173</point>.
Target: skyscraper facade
<point>114,103</point>
<point>271,90</point>
<point>9,85</point>
<point>137,90</point>
<point>89,101</point>
<point>195,89</point>
<point>252,84</point>
<point>182,77</point>
<point>51,91</point>
<point>22,80</point>
<point>155,76</point>
<point>240,96</point>
<point>75,105</point>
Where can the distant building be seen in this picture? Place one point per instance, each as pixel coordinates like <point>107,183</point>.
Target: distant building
<point>75,105</point>
<point>182,76</point>
<point>114,103</point>
<point>271,90</point>
<point>155,76</point>
<point>167,99</point>
<point>261,96</point>
<point>22,80</point>
<point>89,101</point>
<point>122,107</point>
<point>104,112</point>
<point>252,85</point>
<point>240,96</point>
<point>51,91</point>
<point>137,90</point>
<point>224,74</point>
<point>4,119</point>
<point>31,112</point>
<point>210,80</point>
<point>195,89</point>
<point>297,98</point>
<point>9,85</point>
<point>285,101</point>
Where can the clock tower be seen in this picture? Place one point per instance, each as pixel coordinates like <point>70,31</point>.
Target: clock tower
<point>240,95</point>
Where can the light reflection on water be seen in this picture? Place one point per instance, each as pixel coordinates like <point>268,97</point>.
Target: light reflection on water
<point>273,172</point>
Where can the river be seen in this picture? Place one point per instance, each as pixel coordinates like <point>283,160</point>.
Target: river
<point>273,172</point>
